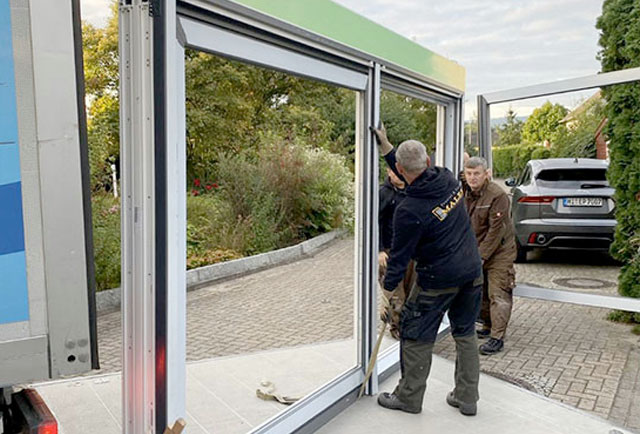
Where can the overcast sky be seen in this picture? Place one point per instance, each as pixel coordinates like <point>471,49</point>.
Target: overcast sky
<point>502,44</point>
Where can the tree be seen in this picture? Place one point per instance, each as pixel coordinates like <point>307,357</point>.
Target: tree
<point>100,52</point>
<point>510,133</point>
<point>619,25</point>
<point>233,107</point>
<point>579,139</point>
<point>544,123</point>
<point>407,118</point>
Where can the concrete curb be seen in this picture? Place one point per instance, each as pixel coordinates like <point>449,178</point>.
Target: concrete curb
<point>110,299</point>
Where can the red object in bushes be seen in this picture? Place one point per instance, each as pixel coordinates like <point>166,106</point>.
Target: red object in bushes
<point>208,187</point>
<point>215,185</point>
<point>194,192</point>
<point>196,182</point>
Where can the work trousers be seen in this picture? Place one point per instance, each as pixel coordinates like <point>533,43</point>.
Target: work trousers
<point>497,298</point>
<point>419,323</point>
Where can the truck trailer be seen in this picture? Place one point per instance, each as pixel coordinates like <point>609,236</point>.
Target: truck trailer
<point>47,294</point>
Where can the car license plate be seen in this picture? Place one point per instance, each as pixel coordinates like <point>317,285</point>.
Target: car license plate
<point>583,201</point>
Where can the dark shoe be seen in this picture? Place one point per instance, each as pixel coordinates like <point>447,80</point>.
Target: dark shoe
<point>466,409</point>
<point>483,333</point>
<point>390,400</point>
<point>492,346</point>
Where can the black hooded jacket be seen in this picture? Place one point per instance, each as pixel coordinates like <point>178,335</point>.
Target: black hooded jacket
<point>390,196</point>
<point>431,226</point>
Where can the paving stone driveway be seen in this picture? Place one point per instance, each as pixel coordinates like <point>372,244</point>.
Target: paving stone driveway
<point>568,353</point>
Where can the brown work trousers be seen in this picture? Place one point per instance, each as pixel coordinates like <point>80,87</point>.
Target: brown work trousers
<point>497,298</point>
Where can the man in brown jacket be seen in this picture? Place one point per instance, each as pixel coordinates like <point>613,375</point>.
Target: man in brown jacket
<point>488,207</point>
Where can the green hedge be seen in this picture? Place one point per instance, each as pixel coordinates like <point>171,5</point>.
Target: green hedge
<point>619,27</point>
<point>106,240</point>
<point>510,160</point>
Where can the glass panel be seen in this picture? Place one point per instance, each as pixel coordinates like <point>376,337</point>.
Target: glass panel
<point>404,118</point>
<point>271,210</point>
<point>569,175</point>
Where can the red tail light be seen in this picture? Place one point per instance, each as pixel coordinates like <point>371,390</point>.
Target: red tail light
<point>48,428</point>
<point>536,199</point>
<point>532,238</point>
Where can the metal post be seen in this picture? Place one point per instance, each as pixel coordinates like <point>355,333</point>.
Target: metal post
<point>484,130</point>
<point>176,225</point>
<point>459,135</point>
<point>450,136</point>
<point>369,213</point>
<point>138,217</point>
<point>440,122</point>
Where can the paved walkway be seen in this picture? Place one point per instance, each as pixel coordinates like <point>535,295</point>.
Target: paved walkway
<point>568,353</point>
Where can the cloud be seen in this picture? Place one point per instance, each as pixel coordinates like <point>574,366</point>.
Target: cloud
<point>95,12</point>
<point>502,44</point>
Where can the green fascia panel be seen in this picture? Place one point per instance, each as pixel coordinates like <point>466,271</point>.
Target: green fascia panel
<point>340,24</point>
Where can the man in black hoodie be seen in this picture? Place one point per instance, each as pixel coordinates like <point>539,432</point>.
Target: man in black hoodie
<point>431,226</point>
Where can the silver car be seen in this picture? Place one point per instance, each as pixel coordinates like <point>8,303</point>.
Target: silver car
<point>562,203</point>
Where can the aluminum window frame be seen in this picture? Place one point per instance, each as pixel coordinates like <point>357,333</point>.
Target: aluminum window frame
<point>485,101</point>
<point>448,148</point>
<point>450,115</point>
<point>153,38</point>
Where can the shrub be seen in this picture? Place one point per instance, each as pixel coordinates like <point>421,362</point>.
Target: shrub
<point>510,160</point>
<point>541,153</point>
<point>264,200</point>
<point>278,196</point>
<point>106,240</point>
<point>208,257</point>
<point>287,192</point>
<point>619,27</point>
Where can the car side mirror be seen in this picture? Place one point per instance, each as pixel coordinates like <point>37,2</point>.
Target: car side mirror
<point>510,182</point>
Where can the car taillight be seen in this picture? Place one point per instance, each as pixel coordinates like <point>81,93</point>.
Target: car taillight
<point>48,428</point>
<point>536,199</point>
<point>532,238</point>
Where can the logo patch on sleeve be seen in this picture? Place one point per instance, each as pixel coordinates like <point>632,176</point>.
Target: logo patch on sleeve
<point>442,211</point>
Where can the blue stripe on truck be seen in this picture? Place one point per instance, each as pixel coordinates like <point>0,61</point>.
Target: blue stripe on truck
<point>14,294</point>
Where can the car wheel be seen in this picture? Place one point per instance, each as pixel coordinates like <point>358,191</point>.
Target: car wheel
<point>521,256</point>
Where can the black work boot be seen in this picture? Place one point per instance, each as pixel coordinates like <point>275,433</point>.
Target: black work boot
<point>492,346</point>
<point>391,400</point>
<point>466,409</point>
<point>483,333</point>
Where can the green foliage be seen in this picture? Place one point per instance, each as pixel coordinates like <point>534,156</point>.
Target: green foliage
<point>106,240</point>
<point>405,119</point>
<point>510,133</point>
<point>298,192</point>
<point>623,317</point>
<point>544,124</point>
<point>619,27</point>
<point>510,160</point>
<point>540,153</point>
<point>408,118</point>
<point>100,52</point>
<point>578,140</point>
<point>277,197</point>
<point>270,156</point>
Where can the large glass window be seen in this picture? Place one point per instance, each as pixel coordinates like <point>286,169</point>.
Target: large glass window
<point>271,161</point>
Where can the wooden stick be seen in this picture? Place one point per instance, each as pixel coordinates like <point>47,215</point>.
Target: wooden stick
<point>177,427</point>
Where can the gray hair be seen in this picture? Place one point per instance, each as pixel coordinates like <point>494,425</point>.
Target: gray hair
<point>412,156</point>
<point>474,162</point>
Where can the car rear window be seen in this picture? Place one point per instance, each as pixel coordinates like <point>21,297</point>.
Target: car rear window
<point>557,175</point>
